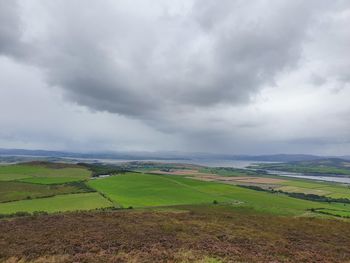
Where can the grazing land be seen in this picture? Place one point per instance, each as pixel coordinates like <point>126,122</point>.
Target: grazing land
<point>273,182</point>
<point>180,214</point>
<point>59,203</point>
<point>52,180</point>
<point>329,189</point>
<point>240,179</point>
<point>26,171</point>
<point>191,172</point>
<point>12,191</point>
<point>140,190</point>
<point>147,190</point>
<point>177,185</point>
<point>184,234</point>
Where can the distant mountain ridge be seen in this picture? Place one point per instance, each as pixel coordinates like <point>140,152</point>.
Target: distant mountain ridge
<point>61,154</point>
<point>166,156</point>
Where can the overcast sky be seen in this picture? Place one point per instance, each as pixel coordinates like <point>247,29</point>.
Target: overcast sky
<point>241,77</point>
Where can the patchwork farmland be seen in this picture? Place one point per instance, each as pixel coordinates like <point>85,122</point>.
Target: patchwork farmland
<point>110,195</point>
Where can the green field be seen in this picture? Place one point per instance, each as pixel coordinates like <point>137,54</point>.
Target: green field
<point>226,171</point>
<point>139,190</point>
<point>59,203</point>
<point>336,212</point>
<point>292,185</point>
<point>25,171</point>
<point>142,190</point>
<point>10,191</point>
<point>52,180</point>
<point>329,189</point>
<point>149,190</point>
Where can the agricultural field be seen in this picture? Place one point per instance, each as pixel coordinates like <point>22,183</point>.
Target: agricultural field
<point>140,190</point>
<point>272,182</point>
<point>171,186</point>
<point>52,180</point>
<point>12,191</point>
<point>147,166</point>
<point>227,171</point>
<point>147,190</point>
<point>49,187</point>
<point>329,189</point>
<point>27,171</point>
<point>58,203</point>
<point>285,184</point>
<point>179,214</point>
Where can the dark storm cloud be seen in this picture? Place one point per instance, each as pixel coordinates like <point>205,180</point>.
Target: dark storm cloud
<point>10,32</point>
<point>197,69</point>
<point>112,59</point>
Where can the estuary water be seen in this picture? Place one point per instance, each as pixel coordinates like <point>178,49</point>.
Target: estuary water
<point>337,179</point>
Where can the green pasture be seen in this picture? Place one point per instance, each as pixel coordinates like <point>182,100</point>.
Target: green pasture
<point>10,191</point>
<point>68,202</point>
<point>335,212</point>
<point>24,172</point>
<point>52,180</point>
<point>144,190</point>
<point>140,190</point>
<point>225,171</point>
<point>329,189</point>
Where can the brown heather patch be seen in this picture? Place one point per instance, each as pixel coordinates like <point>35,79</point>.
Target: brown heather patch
<point>204,234</point>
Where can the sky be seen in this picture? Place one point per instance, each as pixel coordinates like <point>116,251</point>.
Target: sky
<point>228,76</point>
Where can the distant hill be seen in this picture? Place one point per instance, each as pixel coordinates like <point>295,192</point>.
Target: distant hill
<point>166,155</point>
<point>279,157</point>
<point>107,155</point>
<point>326,166</point>
<point>328,162</point>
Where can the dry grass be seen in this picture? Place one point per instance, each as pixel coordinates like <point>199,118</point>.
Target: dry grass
<point>177,171</point>
<point>191,172</point>
<point>240,179</point>
<point>202,234</point>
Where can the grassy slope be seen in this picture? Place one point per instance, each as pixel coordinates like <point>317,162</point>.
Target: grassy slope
<point>261,201</point>
<point>22,171</point>
<point>10,191</point>
<point>334,190</point>
<point>329,189</point>
<point>226,171</point>
<point>140,190</point>
<point>68,202</point>
<point>52,180</point>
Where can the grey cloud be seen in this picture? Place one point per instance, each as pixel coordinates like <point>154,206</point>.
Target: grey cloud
<point>10,32</point>
<point>178,71</point>
<point>317,80</point>
<point>116,61</point>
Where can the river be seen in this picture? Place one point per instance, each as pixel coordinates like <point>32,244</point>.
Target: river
<point>337,179</point>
